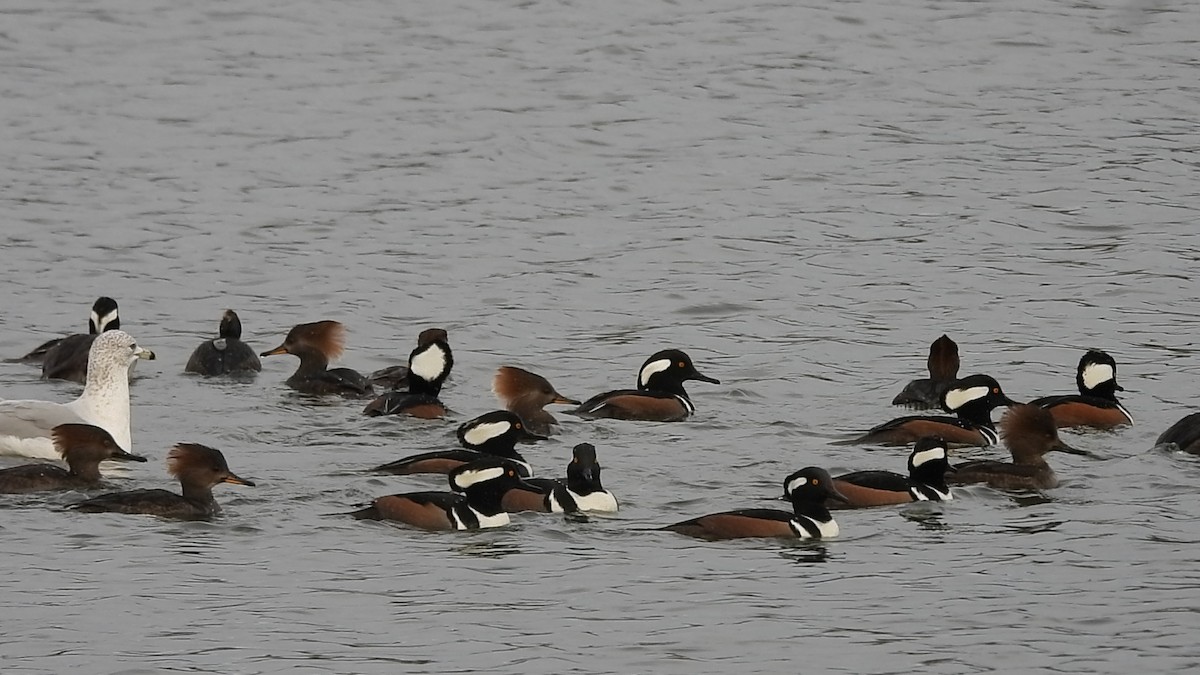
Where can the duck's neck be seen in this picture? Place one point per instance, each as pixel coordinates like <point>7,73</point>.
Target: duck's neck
<point>86,470</point>
<point>198,493</point>
<point>312,362</point>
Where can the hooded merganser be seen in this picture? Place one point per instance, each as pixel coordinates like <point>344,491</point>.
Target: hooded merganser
<point>659,396</point>
<point>1184,434</point>
<point>1096,405</point>
<point>317,344</point>
<point>25,426</point>
<point>1030,433</point>
<point>491,434</point>
<point>225,354</point>
<point>925,394</point>
<point>396,377</point>
<point>68,358</point>
<point>103,317</point>
<point>482,484</point>
<point>428,367</point>
<point>971,399</point>
<point>579,491</point>
<point>83,446</point>
<point>807,489</point>
<point>198,468</point>
<point>926,479</point>
<point>525,394</point>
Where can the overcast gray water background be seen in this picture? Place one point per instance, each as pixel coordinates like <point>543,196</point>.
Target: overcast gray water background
<point>801,196</point>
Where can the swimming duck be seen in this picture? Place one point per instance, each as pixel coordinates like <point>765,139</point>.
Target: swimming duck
<point>103,317</point>
<point>225,354</point>
<point>1096,405</point>
<point>580,491</point>
<point>396,377</point>
<point>525,394</point>
<point>25,426</point>
<point>428,367</point>
<point>316,344</point>
<point>83,446</point>
<point>68,358</point>
<point>491,434</point>
<point>198,467</point>
<point>807,489</point>
<point>943,364</point>
<point>1029,432</point>
<point>1184,434</point>
<point>479,487</point>
<point>926,479</point>
<point>971,399</point>
<point>659,397</point>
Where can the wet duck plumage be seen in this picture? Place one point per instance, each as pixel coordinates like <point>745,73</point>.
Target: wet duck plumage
<point>926,479</point>
<point>316,344</point>
<point>1096,405</point>
<point>526,394</point>
<point>491,434</point>
<point>428,367</point>
<point>83,447</point>
<point>198,467</point>
<point>1029,433</point>
<point>659,397</point>
<point>943,364</point>
<point>226,353</point>
<point>580,491</point>
<point>67,359</point>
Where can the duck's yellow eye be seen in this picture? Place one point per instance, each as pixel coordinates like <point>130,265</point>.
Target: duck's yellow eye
<point>510,473</point>
<point>517,425</point>
<point>816,482</point>
<point>682,364</point>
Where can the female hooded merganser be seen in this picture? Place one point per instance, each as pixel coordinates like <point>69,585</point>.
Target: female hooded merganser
<point>103,317</point>
<point>1096,405</point>
<point>579,491</point>
<point>1030,433</point>
<point>972,399</point>
<point>943,363</point>
<point>925,482</point>
<point>659,396</point>
<point>525,394</point>
<point>68,359</point>
<point>493,434</point>
<point>25,426</point>
<point>482,484</point>
<point>807,489</point>
<point>317,344</point>
<point>225,354</point>
<point>1184,434</point>
<point>83,446</point>
<point>396,377</point>
<point>198,468</point>
<point>428,367</point>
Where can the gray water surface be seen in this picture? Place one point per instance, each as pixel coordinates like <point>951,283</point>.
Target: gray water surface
<point>802,197</point>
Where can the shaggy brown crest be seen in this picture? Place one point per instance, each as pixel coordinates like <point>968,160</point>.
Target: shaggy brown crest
<point>327,337</point>
<point>512,383</point>
<point>1029,430</point>
<point>92,439</point>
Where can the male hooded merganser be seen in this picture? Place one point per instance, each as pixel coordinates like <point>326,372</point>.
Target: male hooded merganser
<point>428,367</point>
<point>925,482</point>
<point>68,358</point>
<point>493,434</point>
<point>1184,434</point>
<point>971,399</point>
<point>396,377</point>
<point>198,468</point>
<point>925,394</point>
<point>525,394</point>
<point>1096,405</point>
<point>103,317</point>
<point>25,426</point>
<point>225,354</point>
<point>1030,433</point>
<point>579,491</point>
<point>482,484</point>
<point>317,344</point>
<point>807,489</point>
<point>83,446</point>
<point>659,396</point>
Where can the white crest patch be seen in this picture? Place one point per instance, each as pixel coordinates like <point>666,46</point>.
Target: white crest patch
<point>957,398</point>
<point>480,434</point>
<point>929,455</point>
<point>651,368</point>
<point>795,485</point>
<point>1096,374</point>
<point>429,364</point>
<point>466,479</point>
<point>601,501</point>
<point>101,321</point>
<point>499,520</point>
